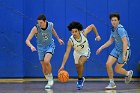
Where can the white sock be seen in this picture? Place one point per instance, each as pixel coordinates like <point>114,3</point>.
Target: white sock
<point>127,73</point>
<point>50,76</point>
<point>111,81</point>
<point>46,76</point>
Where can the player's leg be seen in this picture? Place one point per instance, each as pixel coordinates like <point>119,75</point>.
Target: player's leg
<point>80,60</point>
<point>80,69</point>
<point>80,66</point>
<point>120,70</point>
<point>111,60</point>
<point>41,55</point>
<point>130,72</point>
<point>47,59</point>
<point>44,69</point>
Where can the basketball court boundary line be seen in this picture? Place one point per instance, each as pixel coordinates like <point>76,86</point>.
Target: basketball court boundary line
<point>16,80</point>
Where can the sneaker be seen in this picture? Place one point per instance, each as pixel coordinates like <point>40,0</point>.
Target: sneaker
<point>49,90</point>
<point>129,77</point>
<point>80,83</point>
<point>111,85</point>
<point>110,91</point>
<point>50,82</point>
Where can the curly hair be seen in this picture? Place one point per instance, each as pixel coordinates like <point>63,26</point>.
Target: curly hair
<point>75,25</point>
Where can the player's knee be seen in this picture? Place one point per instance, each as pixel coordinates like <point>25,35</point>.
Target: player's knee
<point>80,63</point>
<point>117,69</point>
<point>108,65</point>
<point>47,62</point>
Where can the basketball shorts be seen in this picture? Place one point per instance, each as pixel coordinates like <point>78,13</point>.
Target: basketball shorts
<point>78,55</point>
<point>118,54</point>
<point>44,50</point>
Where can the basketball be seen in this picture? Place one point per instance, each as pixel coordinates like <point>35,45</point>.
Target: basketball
<point>63,76</point>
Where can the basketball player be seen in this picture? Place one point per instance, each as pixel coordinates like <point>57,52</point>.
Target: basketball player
<point>79,42</point>
<point>45,45</point>
<point>120,53</point>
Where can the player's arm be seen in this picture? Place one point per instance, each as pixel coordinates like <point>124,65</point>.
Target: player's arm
<point>125,45</point>
<point>121,32</point>
<point>66,55</point>
<point>55,34</point>
<point>107,44</point>
<point>30,36</point>
<point>90,28</point>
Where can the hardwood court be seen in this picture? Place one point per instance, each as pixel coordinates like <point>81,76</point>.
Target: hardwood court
<point>70,87</point>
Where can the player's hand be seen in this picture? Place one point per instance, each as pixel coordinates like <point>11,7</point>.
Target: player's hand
<point>33,48</point>
<point>61,42</point>
<point>98,38</point>
<point>61,68</point>
<point>124,58</point>
<point>98,51</point>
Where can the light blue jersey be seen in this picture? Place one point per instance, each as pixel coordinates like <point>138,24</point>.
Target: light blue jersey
<point>45,42</point>
<point>117,52</point>
<point>118,34</point>
<point>44,37</point>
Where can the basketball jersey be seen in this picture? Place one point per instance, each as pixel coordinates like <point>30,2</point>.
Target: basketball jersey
<point>80,46</point>
<point>44,37</point>
<point>118,34</point>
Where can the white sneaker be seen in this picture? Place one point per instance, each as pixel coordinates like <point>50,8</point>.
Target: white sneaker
<point>50,82</point>
<point>49,90</point>
<point>111,85</point>
<point>129,77</point>
<point>110,91</point>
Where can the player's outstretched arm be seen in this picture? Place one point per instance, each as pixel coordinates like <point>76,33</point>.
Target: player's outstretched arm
<point>66,55</point>
<point>90,28</point>
<point>107,44</point>
<point>55,34</point>
<point>30,36</point>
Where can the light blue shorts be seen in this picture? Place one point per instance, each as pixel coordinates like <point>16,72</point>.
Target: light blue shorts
<point>118,54</point>
<point>42,51</point>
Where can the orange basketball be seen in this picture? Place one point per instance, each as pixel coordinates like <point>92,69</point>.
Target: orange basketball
<point>63,76</point>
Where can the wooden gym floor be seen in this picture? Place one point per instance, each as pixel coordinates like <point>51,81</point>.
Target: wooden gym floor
<point>90,86</point>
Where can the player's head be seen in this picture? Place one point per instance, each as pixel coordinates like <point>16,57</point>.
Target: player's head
<point>75,28</point>
<point>41,20</point>
<point>115,19</point>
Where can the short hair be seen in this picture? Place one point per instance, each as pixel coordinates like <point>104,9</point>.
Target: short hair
<point>75,25</point>
<point>114,15</point>
<point>41,17</point>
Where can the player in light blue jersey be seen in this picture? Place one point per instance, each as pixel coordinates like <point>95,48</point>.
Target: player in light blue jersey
<point>45,45</point>
<point>120,53</point>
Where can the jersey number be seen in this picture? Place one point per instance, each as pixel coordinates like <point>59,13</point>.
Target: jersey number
<point>82,46</point>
